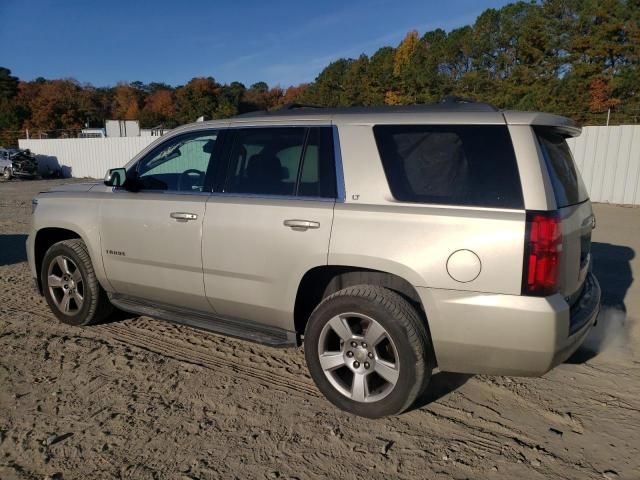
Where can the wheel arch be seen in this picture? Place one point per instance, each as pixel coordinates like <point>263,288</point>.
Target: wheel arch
<point>320,282</point>
<point>44,239</point>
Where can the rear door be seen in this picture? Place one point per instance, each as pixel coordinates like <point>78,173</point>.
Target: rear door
<point>574,208</point>
<point>270,223</point>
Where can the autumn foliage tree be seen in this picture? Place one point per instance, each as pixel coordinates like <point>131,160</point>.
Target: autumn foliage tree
<point>159,108</point>
<point>126,102</point>
<point>573,57</point>
<point>197,98</point>
<point>600,95</point>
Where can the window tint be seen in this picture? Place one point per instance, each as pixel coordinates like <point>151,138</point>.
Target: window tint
<point>282,161</point>
<point>450,164</point>
<point>318,173</point>
<point>565,179</point>
<point>290,161</point>
<point>180,164</point>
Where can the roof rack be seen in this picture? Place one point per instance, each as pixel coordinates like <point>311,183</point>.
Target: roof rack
<point>294,106</point>
<point>456,99</point>
<point>447,104</point>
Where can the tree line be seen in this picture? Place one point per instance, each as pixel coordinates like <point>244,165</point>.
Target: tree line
<point>577,58</point>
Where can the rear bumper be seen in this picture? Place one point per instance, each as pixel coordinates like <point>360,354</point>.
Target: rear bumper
<point>507,334</point>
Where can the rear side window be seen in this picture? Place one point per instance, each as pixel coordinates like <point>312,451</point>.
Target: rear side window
<point>317,176</point>
<point>468,165</point>
<point>291,161</point>
<point>568,187</point>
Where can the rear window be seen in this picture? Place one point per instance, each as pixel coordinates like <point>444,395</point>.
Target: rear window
<point>567,184</point>
<point>469,165</point>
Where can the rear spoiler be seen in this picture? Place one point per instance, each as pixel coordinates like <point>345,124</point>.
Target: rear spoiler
<point>567,126</point>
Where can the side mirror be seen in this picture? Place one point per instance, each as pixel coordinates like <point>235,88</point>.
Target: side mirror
<point>115,177</point>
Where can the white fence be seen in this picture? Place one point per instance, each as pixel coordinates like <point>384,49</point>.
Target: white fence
<point>608,158</point>
<point>85,157</point>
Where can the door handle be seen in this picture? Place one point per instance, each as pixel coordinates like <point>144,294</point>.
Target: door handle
<point>183,216</point>
<point>301,224</point>
<point>590,221</point>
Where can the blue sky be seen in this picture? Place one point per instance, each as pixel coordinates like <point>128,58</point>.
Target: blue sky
<point>280,42</point>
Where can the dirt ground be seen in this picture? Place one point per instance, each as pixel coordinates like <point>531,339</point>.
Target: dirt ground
<point>144,399</point>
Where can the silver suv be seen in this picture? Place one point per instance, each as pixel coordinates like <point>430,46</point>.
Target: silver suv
<point>390,241</point>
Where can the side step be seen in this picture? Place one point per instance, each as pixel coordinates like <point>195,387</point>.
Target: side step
<point>232,327</point>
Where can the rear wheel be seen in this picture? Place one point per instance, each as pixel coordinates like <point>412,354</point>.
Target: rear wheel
<point>368,351</point>
<point>70,285</point>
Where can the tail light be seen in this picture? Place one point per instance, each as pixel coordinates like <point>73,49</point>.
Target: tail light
<point>543,247</point>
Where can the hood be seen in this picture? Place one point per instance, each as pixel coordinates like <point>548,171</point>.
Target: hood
<point>73,187</point>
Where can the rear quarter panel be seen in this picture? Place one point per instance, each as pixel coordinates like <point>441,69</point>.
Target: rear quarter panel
<point>414,241</point>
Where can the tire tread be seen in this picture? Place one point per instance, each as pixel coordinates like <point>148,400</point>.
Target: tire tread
<point>403,312</point>
<point>101,308</point>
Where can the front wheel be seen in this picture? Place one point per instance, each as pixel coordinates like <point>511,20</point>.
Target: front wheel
<point>70,285</point>
<point>7,173</point>
<point>368,350</point>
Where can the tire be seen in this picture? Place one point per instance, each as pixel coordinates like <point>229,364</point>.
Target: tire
<point>390,338</point>
<point>68,279</point>
<point>7,173</point>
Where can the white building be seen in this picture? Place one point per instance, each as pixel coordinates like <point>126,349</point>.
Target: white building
<point>122,128</point>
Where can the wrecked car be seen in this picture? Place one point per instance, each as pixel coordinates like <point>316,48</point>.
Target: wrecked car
<point>18,163</point>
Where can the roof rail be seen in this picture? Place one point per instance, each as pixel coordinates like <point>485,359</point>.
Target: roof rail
<point>293,106</point>
<point>456,99</point>
<point>253,113</point>
<point>287,107</point>
<point>447,104</point>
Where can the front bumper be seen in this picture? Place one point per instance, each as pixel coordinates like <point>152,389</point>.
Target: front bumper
<point>507,334</point>
<point>31,261</point>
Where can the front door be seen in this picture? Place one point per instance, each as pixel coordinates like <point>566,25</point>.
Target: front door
<point>151,238</point>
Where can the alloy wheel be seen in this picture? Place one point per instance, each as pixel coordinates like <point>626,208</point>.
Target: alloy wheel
<point>66,285</point>
<point>358,357</point>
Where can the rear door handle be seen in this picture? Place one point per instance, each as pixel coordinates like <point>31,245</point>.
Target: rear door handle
<point>301,224</point>
<point>183,216</point>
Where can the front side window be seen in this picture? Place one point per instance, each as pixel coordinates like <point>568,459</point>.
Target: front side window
<point>290,161</point>
<point>180,164</point>
<point>466,165</point>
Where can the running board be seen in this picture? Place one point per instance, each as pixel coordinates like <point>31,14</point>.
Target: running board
<point>231,327</point>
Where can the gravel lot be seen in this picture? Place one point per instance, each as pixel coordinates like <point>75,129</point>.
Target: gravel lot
<point>139,398</point>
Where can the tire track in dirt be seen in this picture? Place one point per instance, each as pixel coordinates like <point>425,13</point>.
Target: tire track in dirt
<point>479,435</point>
<point>147,340</point>
<point>495,437</point>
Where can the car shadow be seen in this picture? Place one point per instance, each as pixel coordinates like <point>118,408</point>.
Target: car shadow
<point>440,385</point>
<point>49,167</point>
<point>117,316</point>
<point>612,267</point>
<point>12,249</point>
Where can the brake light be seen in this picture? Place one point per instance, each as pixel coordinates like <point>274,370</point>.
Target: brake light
<point>543,246</point>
